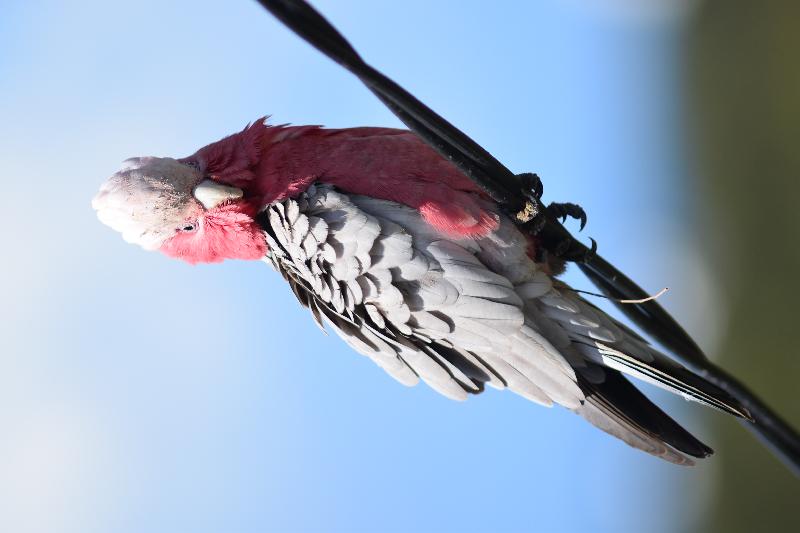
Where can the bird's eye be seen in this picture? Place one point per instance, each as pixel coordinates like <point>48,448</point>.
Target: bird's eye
<point>188,227</point>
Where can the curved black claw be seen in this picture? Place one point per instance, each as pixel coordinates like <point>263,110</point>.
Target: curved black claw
<point>532,182</point>
<point>563,251</point>
<point>566,209</point>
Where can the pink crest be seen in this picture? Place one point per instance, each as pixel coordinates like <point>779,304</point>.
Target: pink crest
<point>231,160</point>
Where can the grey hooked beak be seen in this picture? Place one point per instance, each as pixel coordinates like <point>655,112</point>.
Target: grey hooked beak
<point>211,194</point>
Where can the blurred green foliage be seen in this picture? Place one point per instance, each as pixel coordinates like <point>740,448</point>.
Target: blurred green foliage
<point>743,86</point>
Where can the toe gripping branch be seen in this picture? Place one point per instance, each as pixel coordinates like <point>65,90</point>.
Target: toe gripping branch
<point>555,238</point>
<point>566,209</point>
<point>520,197</point>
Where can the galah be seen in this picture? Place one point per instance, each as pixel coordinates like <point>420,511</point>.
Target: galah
<point>411,264</point>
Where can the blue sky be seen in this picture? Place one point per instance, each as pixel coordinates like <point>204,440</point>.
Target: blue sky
<point>140,394</point>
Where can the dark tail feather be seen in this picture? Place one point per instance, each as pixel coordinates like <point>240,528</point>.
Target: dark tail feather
<point>618,399</point>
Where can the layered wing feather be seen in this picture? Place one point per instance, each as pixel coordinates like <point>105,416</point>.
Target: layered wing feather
<point>417,304</point>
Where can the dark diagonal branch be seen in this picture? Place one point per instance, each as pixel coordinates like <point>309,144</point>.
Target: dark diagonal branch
<point>507,189</point>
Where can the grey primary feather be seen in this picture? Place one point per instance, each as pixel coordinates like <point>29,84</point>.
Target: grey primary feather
<point>461,313</point>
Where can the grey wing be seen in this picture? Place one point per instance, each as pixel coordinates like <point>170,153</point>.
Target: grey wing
<point>420,306</point>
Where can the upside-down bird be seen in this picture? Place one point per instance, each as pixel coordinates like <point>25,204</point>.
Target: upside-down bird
<point>411,264</point>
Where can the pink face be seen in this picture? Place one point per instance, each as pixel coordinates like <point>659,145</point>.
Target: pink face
<point>227,231</point>
<point>165,204</point>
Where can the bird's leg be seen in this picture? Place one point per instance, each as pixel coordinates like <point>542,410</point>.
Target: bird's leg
<point>532,188</point>
<point>562,250</point>
<point>532,184</point>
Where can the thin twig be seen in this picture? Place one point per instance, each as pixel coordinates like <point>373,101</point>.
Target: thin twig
<point>639,301</point>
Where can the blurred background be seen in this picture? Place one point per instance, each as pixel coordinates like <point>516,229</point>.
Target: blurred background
<point>140,394</point>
